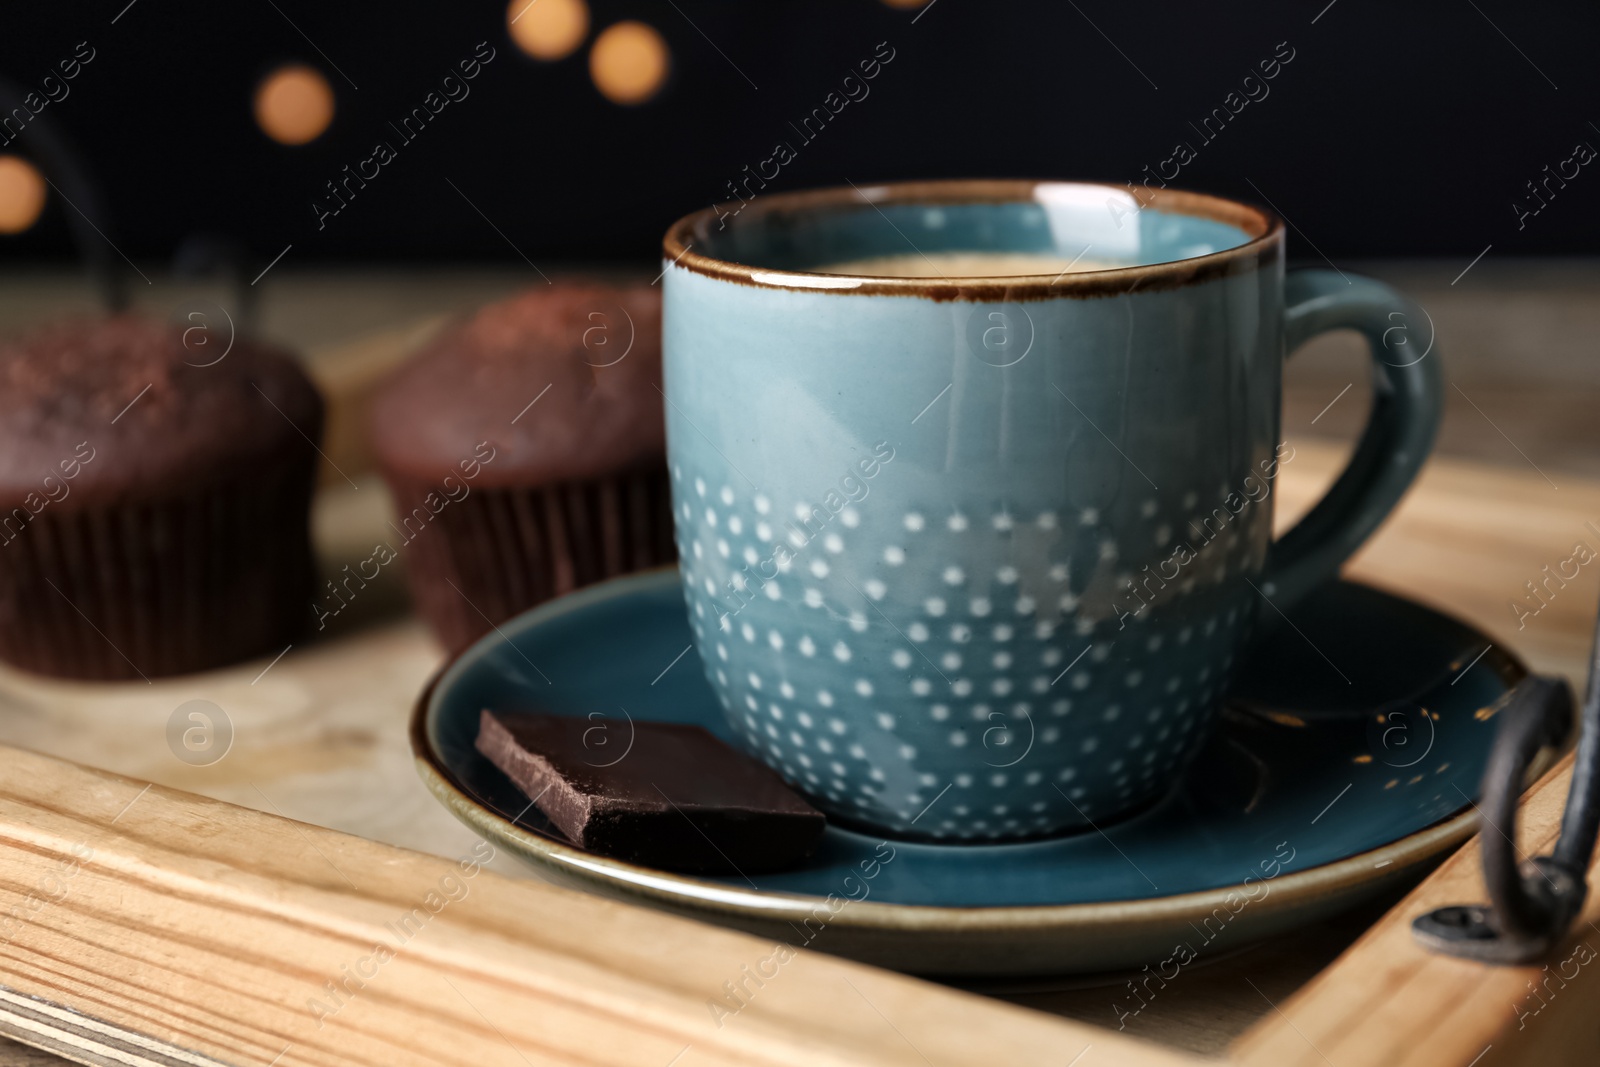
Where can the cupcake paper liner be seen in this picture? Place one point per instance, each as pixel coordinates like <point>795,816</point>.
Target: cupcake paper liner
<point>162,587</point>
<point>496,552</point>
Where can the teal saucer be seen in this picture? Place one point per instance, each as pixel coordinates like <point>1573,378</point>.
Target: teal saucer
<point>1345,764</point>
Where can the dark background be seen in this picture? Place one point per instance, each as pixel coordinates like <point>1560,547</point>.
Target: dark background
<point>1397,129</point>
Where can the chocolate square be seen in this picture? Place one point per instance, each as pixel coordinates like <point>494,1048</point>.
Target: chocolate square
<point>661,794</point>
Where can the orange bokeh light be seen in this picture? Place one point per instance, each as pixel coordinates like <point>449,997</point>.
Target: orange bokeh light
<point>629,62</point>
<point>548,29</point>
<point>294,104</point>
<point>22,192</point>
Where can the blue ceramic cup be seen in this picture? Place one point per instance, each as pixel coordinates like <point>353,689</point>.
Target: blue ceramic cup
<point>972,558</point>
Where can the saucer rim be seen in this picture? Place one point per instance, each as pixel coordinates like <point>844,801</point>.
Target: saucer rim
<point>1365,869</point>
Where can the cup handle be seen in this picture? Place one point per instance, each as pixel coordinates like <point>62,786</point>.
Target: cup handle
<point>1407,397</point>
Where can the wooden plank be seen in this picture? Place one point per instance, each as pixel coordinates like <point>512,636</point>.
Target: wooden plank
<point>15,1054</point>
<point>1388,1001</point>
<point>255,940</point>
<point>1212,1001</point>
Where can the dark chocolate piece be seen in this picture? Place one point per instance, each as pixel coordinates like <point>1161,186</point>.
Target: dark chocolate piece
<point>678,798</point>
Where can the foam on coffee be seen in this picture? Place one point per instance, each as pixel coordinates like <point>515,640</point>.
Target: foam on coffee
<point>962,265</point>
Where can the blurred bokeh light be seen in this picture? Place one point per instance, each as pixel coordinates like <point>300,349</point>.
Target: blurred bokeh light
<point>294,104</point>
<point>548,29</point>
<point>22,192</point>
<point>629,62</point>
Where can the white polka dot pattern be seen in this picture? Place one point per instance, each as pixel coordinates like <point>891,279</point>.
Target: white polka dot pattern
<point>1048,673</point>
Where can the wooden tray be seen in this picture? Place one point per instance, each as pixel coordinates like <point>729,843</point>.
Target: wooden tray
<point>202,925</point>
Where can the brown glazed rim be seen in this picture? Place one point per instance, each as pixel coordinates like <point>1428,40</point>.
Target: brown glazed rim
<point>1264,228</point>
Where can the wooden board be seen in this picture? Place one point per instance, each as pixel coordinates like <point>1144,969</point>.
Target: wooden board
<point>1389,1001</point>
<point>142,925</point>
<point>251,939</point>
<point>319,734</point>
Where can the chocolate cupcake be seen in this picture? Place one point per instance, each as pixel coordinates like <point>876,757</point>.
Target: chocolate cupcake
<point>153,502</point>
<point>525,449</point>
